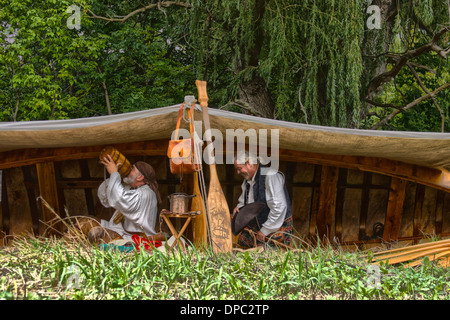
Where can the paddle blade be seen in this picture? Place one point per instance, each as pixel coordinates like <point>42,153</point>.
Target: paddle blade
<point>219,222</point>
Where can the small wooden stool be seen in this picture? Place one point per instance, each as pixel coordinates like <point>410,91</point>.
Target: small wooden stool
<point>165,214</point>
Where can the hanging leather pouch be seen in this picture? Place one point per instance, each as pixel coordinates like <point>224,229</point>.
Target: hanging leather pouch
<point>181,152</point>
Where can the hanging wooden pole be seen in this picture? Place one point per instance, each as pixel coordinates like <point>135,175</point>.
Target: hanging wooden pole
<point>199,224</point>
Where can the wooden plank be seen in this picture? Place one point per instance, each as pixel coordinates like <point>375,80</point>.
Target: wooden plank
<point>21,157</point>
<point>351,214</point>
<point>5,205</point>
<point>30,184</point>
<point>340,198</point>
<point>439,212</point>
<point>304,174</point>
<point>19,208</point>
<point>61,193</point>
<point>78,183</point>
<point>229,187</point>
<point>376,215</point>
<point>446,214</point>
<point>289,173</point>
<point>428,217</point>
<point>420,193</point>
<point>301,210</point>
<point>327,202</point>
<point>47,189</point>
<point>85,174</point>
<point>315,199</point>
<point>394,209</point>
<point>406,227</point>
<point>433,177</point>
<point>365,198</point>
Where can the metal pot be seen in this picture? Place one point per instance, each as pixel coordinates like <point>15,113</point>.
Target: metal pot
<point>179,202</point>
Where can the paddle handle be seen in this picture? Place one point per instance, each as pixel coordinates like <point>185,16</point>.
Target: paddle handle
<point>203,99</point>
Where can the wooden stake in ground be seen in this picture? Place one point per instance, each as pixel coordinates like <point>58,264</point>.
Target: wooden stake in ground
<point>219,220</point>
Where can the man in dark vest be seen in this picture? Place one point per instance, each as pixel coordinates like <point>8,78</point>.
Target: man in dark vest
<point>273,225</point>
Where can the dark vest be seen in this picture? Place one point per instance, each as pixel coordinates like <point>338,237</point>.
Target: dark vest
<point>259,194</point>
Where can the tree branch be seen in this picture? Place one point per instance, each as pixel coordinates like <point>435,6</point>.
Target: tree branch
<point>105,89</point>
<point>245,106</point>
<point>404,58</point>
<point>410,105</point>
<point>416,75</point>
<point>16,110</point>
<point>158,5</point>
<point>384,105</point>
<point>414,64</point>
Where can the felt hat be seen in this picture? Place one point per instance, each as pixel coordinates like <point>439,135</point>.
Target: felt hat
<point>245,215</point>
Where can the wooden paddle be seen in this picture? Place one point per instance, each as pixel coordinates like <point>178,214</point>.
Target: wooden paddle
<point>219,220</point>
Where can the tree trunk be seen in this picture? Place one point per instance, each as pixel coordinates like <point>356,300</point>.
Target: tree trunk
<point>105,89</point>
<point>108,104</point>
<point>255,95</point>
<point>253,91</point>
<point>374,64</point>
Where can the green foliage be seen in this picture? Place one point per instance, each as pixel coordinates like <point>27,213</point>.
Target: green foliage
<point>316,57</point>
<point>40,60</point>
<point>414,27</point>
<point>52,269</point>
<point>319,50</point>
<point>48,71</point>
<point>310,54</point>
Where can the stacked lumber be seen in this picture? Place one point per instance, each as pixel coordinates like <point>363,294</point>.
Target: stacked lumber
<point>415,255</point>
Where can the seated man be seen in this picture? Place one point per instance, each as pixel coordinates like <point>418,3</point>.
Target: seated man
<point>136,205</point>
<point>274,222</point>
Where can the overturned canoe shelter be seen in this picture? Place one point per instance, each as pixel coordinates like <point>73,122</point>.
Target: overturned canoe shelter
<point>353,187</point>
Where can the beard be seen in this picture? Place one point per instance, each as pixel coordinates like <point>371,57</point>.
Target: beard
<point>129,180</point>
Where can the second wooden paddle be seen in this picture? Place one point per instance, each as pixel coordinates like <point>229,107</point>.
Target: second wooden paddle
<point>219,221</point>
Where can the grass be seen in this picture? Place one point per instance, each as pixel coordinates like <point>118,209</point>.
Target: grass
<point>52,269</point>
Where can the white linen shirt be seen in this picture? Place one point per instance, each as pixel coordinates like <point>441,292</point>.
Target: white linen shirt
<point>275,198</point>
<point>139,207</point>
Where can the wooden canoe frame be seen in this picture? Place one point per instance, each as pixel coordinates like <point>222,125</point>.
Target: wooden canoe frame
<point>400,172</point>
<point>406,157</point>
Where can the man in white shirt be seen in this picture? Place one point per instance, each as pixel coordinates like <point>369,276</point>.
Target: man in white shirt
<point>275,220</point>
<point>136,204</point>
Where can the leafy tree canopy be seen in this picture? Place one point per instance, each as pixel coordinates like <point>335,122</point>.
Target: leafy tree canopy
<point>359,64</point>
